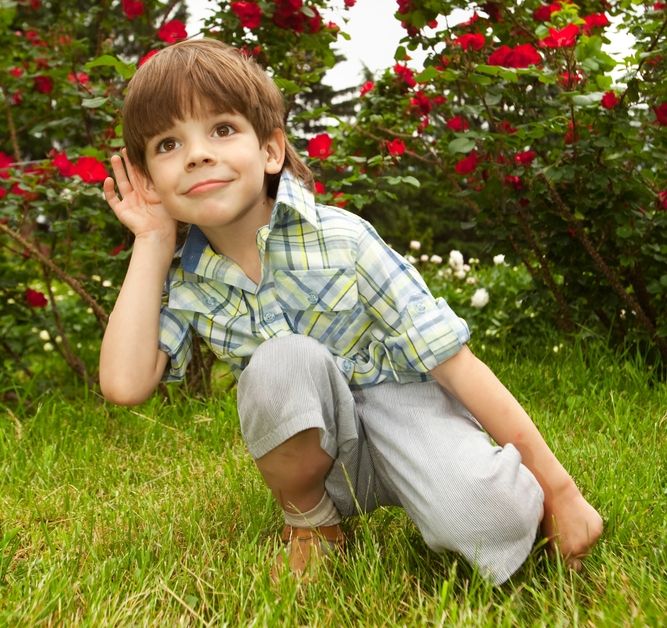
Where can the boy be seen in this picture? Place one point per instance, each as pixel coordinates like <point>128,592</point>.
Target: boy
<point>355,386</point>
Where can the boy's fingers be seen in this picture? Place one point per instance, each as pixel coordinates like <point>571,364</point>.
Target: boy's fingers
<point>109,189</point>
<point>124,185</point>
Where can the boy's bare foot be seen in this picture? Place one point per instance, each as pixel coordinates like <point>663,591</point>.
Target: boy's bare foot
<point>304,550</point>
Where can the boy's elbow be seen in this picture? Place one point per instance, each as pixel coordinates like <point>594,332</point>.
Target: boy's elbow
<point>124,394</point>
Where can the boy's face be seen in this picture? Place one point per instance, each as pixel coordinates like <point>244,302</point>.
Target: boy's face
<point>210,171</point>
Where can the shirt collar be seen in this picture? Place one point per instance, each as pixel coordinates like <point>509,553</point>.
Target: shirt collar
<point>292,195</point>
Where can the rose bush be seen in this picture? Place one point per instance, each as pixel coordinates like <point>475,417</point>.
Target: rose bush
<point>525,135</point>
<point>520,134</point>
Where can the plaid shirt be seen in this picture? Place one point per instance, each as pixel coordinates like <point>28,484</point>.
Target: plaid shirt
<point>326,273</point>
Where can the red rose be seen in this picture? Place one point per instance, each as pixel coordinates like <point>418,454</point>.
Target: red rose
<point>543,13</point>
<point>561,37</point>
<point>593,21</point>
<point>659,6</point>
<point>132,8</point>
<point>422,102</point>
<point>514,181</point>
<point>147,56</point>
<point>117,249</point>
<point>320,146</point>
<point>43,84</point>
<point>403,6</point>
<point>467,164</point>
<point>5,162</point>
<point>350,3</point>
<point>320,188</point>
<point>506,127</point>
<point>405,74</point>
<point>3,193</point>
<point>249,14</point>
<point>458,124</point>
<point>16,72</point>
<point>521,56</point>
<point>366,87</point>
<point>339,201</point>
<point>79,77</point>
<point>663,198</point>
<point>609,100</point>
<point>396,147</point>
<point>34,298</point>
<point>470,40</point>
<point>569,79</point>
<point>63,164</point>
<point>90,169</point>
<point>525,158</point>
<point>17,98</point>
<point>172,31</point>
<point>661,113</point>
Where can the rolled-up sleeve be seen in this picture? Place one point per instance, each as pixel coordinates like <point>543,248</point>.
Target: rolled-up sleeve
<point>176,341</point>
<point>417,330</point>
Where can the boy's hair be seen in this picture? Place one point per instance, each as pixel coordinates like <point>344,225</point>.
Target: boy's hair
<point>182,78</point>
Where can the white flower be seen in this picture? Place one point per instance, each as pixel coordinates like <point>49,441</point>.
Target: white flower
<point>466,267</point>
<point>44,335</point>
<point>67,195</point>
<point>10,301</point>
<point>471,281</point>
<point>448,272</point>
<point>106,283</point>
<point>473,260</point>
<point>411,259</point>
<point>455,259</point>
<point>499,259</point>
<point>89,310</point>
<point>436,259</point>
<point>48,346</point>
<point>423,258</point>
<point>415,245</point>
<point>460,273</point>
<point>58,339</point>
<point>480,298</point>
<point>96,278</point>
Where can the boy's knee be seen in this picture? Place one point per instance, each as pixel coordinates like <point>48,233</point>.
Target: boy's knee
<point>495,518</point>
<point>280,360</point>
<point>283,390</point>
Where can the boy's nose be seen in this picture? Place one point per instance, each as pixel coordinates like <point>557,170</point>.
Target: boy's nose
<point>200,155</point>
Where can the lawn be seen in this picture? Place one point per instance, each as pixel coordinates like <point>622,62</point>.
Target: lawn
<point>156,515</point>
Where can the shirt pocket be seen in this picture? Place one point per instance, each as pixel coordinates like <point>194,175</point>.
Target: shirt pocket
<point>209,298</point>
<point>319,290</point>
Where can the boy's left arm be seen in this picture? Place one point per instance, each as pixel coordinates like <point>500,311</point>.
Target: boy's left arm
<point>569,520</point>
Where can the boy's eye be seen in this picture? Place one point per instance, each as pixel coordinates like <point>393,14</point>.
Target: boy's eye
<point>223,130</point>
<point>166,145</point>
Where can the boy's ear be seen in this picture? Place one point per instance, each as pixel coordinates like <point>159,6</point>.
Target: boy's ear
<point>275,152</point>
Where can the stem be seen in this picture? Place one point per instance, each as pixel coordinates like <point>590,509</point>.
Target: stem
<point>545,272</point>
<point>611,277</point>
<point>12,127</point>
<point>72,360</point>
<point>100,314</point>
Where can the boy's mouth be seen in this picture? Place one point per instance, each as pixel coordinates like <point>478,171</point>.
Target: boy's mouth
<point>206,186</point>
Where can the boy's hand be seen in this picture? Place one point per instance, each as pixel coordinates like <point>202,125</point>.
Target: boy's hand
<point>571,524</point>
<point>132,208</point>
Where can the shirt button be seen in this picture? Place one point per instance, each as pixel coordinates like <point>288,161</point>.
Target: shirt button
<point>269,317</point>
<point>313,298</point>
<point>347,366</point>
<point>421,308</point>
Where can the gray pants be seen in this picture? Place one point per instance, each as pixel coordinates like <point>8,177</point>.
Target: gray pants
<point>409,445</point>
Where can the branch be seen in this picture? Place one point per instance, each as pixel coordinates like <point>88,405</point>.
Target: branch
<point>603,267</point>
<point>100,314</point>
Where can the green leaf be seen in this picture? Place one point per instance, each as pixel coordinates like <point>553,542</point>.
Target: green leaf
<point>125,70</point>
<point>461,145</point>
<point>400,54</point>
<point>94,103</point>
<point>287,86</point>
<point>427,75</point>
<point>587,100</point>
<point>7,13</point>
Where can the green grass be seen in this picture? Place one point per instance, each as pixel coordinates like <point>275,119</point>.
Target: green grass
<point>156,515</point>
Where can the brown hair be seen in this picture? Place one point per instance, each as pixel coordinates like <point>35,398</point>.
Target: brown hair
<point>180,79</point>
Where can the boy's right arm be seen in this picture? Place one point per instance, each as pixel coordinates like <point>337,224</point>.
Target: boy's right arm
<point>131,364</point>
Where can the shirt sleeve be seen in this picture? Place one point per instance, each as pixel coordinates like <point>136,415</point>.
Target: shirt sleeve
<point>418,331</point>
<point>176,341</point>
